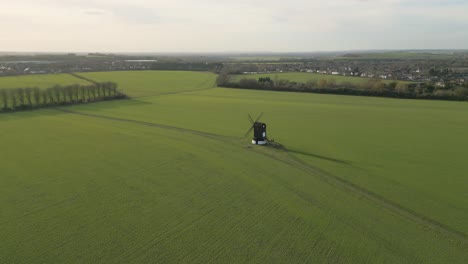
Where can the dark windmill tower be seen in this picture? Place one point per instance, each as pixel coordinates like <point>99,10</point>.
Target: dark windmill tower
<point>259,128</point>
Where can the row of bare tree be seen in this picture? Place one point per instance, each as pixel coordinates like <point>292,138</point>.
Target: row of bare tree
<point>15,99</point>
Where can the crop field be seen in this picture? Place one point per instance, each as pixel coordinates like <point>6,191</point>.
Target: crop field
<point>398,55</point>
<point>168,177</point>
<point>40,81</point>
<point>143,83</point>
<point>305,77</point>
<point>259,58</point>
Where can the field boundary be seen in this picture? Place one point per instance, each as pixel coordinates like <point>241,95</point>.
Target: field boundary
<point>83,78</point>
<point>171,93</point>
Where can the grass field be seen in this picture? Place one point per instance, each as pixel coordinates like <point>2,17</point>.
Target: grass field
<point>142,83</point>
<point>305,77</point>
<point>40,81</point>
<point>167,177</point>
<point>261,58</point>
<point>399,55</point>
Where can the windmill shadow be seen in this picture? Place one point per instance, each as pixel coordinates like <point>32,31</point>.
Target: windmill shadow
<point>318,156</point>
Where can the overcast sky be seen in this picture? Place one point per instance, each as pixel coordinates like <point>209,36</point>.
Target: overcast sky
<point>231,25</point>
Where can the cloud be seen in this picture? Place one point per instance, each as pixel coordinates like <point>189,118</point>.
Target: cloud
<point>137,15</point>
<point>94,12</point>
<point>217,25</point>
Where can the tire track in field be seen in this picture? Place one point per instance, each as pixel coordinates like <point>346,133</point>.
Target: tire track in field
<point>40,209</point>
<point>214,244</point>
<point>144,123</point>
<point>456,236</point>
<point>76,75</point>
<point>170,93</point>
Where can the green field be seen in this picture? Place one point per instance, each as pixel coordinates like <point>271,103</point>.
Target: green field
<point>167,177</point>
<point>263,58</point>
<point>399,55</point>
<point>40,81</point>
<point>305,77</point>
<point>143,83</point>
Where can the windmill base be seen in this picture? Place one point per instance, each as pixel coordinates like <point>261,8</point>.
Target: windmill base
<point>256,142</point>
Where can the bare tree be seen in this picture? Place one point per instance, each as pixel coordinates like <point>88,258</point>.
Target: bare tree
<point>20,93</point>
<point>37,96</point>
<point>50,96</point>
<point>45,96</point>
<point>68,93</point>
<point>75,92</point>
<point>14,98</point>
<point>28,94</point>
<point>82,93</point>
<point>99,89</point>
<point>4,98</point>
<point>57,91</point>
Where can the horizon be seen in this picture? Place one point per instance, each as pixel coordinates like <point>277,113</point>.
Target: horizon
<point>3,53</point>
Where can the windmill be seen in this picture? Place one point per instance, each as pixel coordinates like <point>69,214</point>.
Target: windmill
<point>259,128</point>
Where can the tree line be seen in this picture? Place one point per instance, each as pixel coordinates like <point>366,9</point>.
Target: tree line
<point>17,99</point>
<point>187,66</point>
<point>372,87</point>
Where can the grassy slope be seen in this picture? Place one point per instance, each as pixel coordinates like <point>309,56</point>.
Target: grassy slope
<point>41,81</point>
<point>98,190</point>
<point>131,192</point>
<point>400,148</point>
<point>304,77</point>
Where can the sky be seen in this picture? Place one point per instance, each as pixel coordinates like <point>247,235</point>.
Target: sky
<point>231,25</point>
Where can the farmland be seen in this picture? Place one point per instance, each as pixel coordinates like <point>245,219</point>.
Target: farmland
<point>305,77</point>
<point>142,83</point>
<point>167,177</point>
<point>399,55</point>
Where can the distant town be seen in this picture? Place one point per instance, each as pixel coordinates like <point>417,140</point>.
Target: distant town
<point>442,69</point>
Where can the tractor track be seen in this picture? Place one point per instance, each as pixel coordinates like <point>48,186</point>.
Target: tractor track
<point>457,237</point>
<point>179,92</point>
<point>170,93</point>
<point>180,129</point>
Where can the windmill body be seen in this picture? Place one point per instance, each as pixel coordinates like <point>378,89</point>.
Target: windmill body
<point>259,128</point>
<point>260,137</point>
